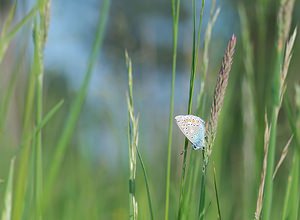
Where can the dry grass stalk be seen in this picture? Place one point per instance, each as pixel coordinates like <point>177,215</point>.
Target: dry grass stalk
<point>284,21</point>
<point>259,202</point>
<point>47,12</point>
<point>285,67</point>
<point>283,155</point>
<point>132,143</point>
<point>219,94</point>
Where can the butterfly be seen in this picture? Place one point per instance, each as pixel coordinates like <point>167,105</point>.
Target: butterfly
<point>193,128</point>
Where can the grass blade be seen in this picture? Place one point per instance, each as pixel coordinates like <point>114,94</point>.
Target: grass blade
<point>78,103</point>
<point>291,201</point>
<point>175,15</point>
<point>217,196</point>
<point>196,44</point>
<point>6,39</point>
<point>146,182</point>
<point>6,213</point>
<point>281,87</point>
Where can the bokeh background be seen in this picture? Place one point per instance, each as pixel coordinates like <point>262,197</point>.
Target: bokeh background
<point>93,179</point>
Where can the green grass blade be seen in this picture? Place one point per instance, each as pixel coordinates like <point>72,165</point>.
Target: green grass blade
<point>147,183</point>
<point>6,39</point>
<point>9,19</point>
<point>23,165</point>
<point>217,195</point>
<point>6,213</point>
<point>39,43</point>
<point>291,201</point>
<point>196,44</point>
<point>78,103</point>
<point>279,85</point>
<point>201,210</point>
<point>22,174</point>
<point>292,194</point>
<point>175,14</point>
<point>9,91</point>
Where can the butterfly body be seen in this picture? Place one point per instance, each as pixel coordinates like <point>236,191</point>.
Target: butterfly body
<point>193,128</point>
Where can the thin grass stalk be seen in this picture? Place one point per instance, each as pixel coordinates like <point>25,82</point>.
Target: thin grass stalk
<point>279,90</point>
<point>77,105</point>
<point>195,163</point>
<point>23,165</point>
<point>6,39</point>
<point>211,125</point>
<point>132,144</point>
<point>40,30</point>
<point>175,15</point>
<point>282,156</point>
<point>217,195</point>
<point>9,91</point>
<point>146,183</point>
<point>259,202</point>
<point>291,119</point>
<point>7,210</point>
<point>249,114</point>
<point>38,63</point>
<point>8,20</point>
<point>196,44</point>
<point>214,13</point>
<point>291,200</point>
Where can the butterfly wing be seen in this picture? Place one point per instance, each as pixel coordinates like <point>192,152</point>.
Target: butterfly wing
<point>193,128</point>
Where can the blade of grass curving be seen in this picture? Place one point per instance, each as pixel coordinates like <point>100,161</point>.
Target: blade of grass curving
<point>175,15</point>
<point>6,213</point>
<point>78,103</point>
<point>195,52</point>
<point>146,182</point>
<point>43,123</point>
<point>49,115</point>
<point>217,195</point>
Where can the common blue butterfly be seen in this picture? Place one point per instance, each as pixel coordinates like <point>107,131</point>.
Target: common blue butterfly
<point>193,128</point>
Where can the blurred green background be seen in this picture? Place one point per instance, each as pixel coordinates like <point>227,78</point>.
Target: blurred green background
<point>93,179</point>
